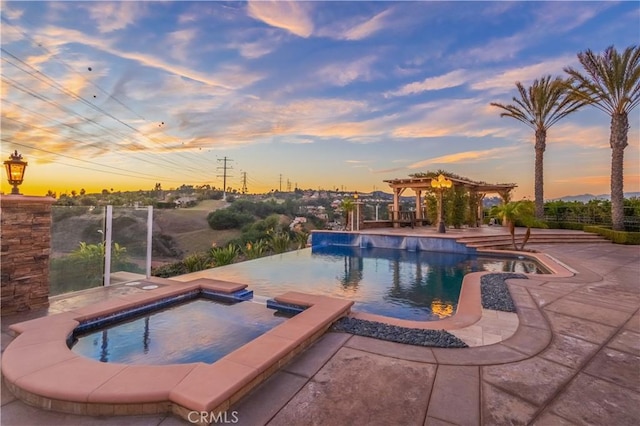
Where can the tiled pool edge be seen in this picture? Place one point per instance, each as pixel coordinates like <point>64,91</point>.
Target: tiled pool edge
<point>39,354</point>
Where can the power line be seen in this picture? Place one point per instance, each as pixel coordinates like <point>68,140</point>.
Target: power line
<point>224,176</point>
<point>52,83</point>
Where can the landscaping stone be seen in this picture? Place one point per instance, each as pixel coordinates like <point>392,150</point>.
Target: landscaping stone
<point>495,294</point>
<point>410,336</point>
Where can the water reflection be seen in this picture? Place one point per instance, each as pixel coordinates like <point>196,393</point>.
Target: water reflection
<point>198,331</point>
<point>352,274</point>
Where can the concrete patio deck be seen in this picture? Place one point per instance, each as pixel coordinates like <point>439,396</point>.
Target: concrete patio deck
<point>575,359</point>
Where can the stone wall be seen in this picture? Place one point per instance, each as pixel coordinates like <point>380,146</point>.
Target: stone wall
<point>25,239</point>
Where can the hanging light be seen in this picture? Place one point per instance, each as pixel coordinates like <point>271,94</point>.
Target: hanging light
<point>15,168</point>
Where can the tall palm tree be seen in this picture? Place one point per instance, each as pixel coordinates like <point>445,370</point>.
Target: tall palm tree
<point>611,84</point>
<point>540,106</point>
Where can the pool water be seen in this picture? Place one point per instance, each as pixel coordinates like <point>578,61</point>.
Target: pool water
<point>414,285</point>
<point>201,330</point>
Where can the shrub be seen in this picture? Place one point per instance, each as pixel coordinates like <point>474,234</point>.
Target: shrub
<point>618,237</point>
<point>565,225</point>
<point>228,219</point>
<point>224,255</point>
<point>170,270</point>
<point>196,262</point>
<point>280,242</point>
<point>256,249</point>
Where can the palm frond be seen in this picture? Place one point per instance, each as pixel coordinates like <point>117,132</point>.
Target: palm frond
<point>542,104</point>
<point>610,82</point>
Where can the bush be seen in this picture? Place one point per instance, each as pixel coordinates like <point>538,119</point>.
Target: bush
<point>565,225</point>
<point>228,219</point>
<point>224,256</point>
<point>196,262</point>
<point>256,249</point>
<point>170,270</point>
<point>280,242</point>
<point>618,237</point>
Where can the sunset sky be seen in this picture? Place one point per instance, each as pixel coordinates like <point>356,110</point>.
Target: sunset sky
<point>315,94</point>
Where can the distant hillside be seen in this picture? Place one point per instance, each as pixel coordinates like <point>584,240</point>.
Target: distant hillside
<point>584,198</point>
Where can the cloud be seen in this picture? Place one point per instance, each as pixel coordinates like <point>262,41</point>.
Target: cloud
<point>562,17</point>
<point>342,74</point>
<point>505,80</point>
<point>386,171</point>
<point>445,81</point>
<point>368,27</point>
<point>468,157</point>
<point>255,43</point>
<point>289,15</point>
<point>178,42</point>
<point>230,79</point>
<point>112,16</point>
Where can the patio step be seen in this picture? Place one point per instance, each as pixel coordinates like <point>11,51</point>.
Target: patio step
<point>504,240</point>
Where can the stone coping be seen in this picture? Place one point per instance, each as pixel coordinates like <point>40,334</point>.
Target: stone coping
<point>39,367</point>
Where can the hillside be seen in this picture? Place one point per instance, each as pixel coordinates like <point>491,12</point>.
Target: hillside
<point>176,232</point>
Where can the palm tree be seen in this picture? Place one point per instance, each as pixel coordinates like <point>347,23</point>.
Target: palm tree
<point>541,106</point>
<point>517,211</point>
<point>611,84</point>
<point>348,206</point>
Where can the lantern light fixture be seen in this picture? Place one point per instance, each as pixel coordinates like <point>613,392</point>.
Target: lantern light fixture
<point>15,168</point>
<point>441,183</point>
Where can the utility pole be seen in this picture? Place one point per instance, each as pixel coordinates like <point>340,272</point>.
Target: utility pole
<point>288,185</point>
<point>280,182</point>
<point>244,182</point>
<point>224,176</point>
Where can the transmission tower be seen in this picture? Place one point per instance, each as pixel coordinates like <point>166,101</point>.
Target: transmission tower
<point>244,182</point>
<point>224,176</point>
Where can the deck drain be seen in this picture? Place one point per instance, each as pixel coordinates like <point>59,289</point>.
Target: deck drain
<point>149,287</point>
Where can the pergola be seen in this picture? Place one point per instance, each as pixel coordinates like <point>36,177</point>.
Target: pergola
<point>477,192</point>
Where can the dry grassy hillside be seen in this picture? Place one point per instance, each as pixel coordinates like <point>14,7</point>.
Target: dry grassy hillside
<point>187,228</point>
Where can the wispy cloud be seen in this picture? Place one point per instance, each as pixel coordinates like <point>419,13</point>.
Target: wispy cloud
<point>467,157</point>
<point>252,44</point>
<point>445,81</point>
<point>237,78</point>
<point>505,80</point>
<point>371,26</point>
<point>178,42</point>
<point>112,16</point>
<point>341,74</point>
<point>357,28</point>
<point>291,16</point>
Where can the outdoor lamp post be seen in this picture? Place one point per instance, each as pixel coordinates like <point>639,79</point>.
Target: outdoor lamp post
<point>440,184</point>
<point>15,171</point>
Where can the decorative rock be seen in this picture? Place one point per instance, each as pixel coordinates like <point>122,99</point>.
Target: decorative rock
<point>392,333</point>
<point>495,293</point>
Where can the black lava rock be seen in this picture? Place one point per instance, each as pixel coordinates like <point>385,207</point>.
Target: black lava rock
<point>495,293</point>
<point>392,333</point>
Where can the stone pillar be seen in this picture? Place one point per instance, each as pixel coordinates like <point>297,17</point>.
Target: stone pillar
<point>25,236</point>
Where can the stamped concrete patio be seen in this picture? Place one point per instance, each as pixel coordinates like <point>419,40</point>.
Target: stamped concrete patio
<point>575,359</point>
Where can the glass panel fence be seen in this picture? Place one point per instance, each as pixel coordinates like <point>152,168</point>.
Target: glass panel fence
<point>77,248</point>
<point>128,243</point>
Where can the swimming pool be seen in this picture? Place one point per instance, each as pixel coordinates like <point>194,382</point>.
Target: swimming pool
<point>200,330</point>
<point>413,285</point>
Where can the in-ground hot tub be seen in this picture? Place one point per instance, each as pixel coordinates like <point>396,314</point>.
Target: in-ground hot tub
<point>197,330</point>
<point>40,369</point>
